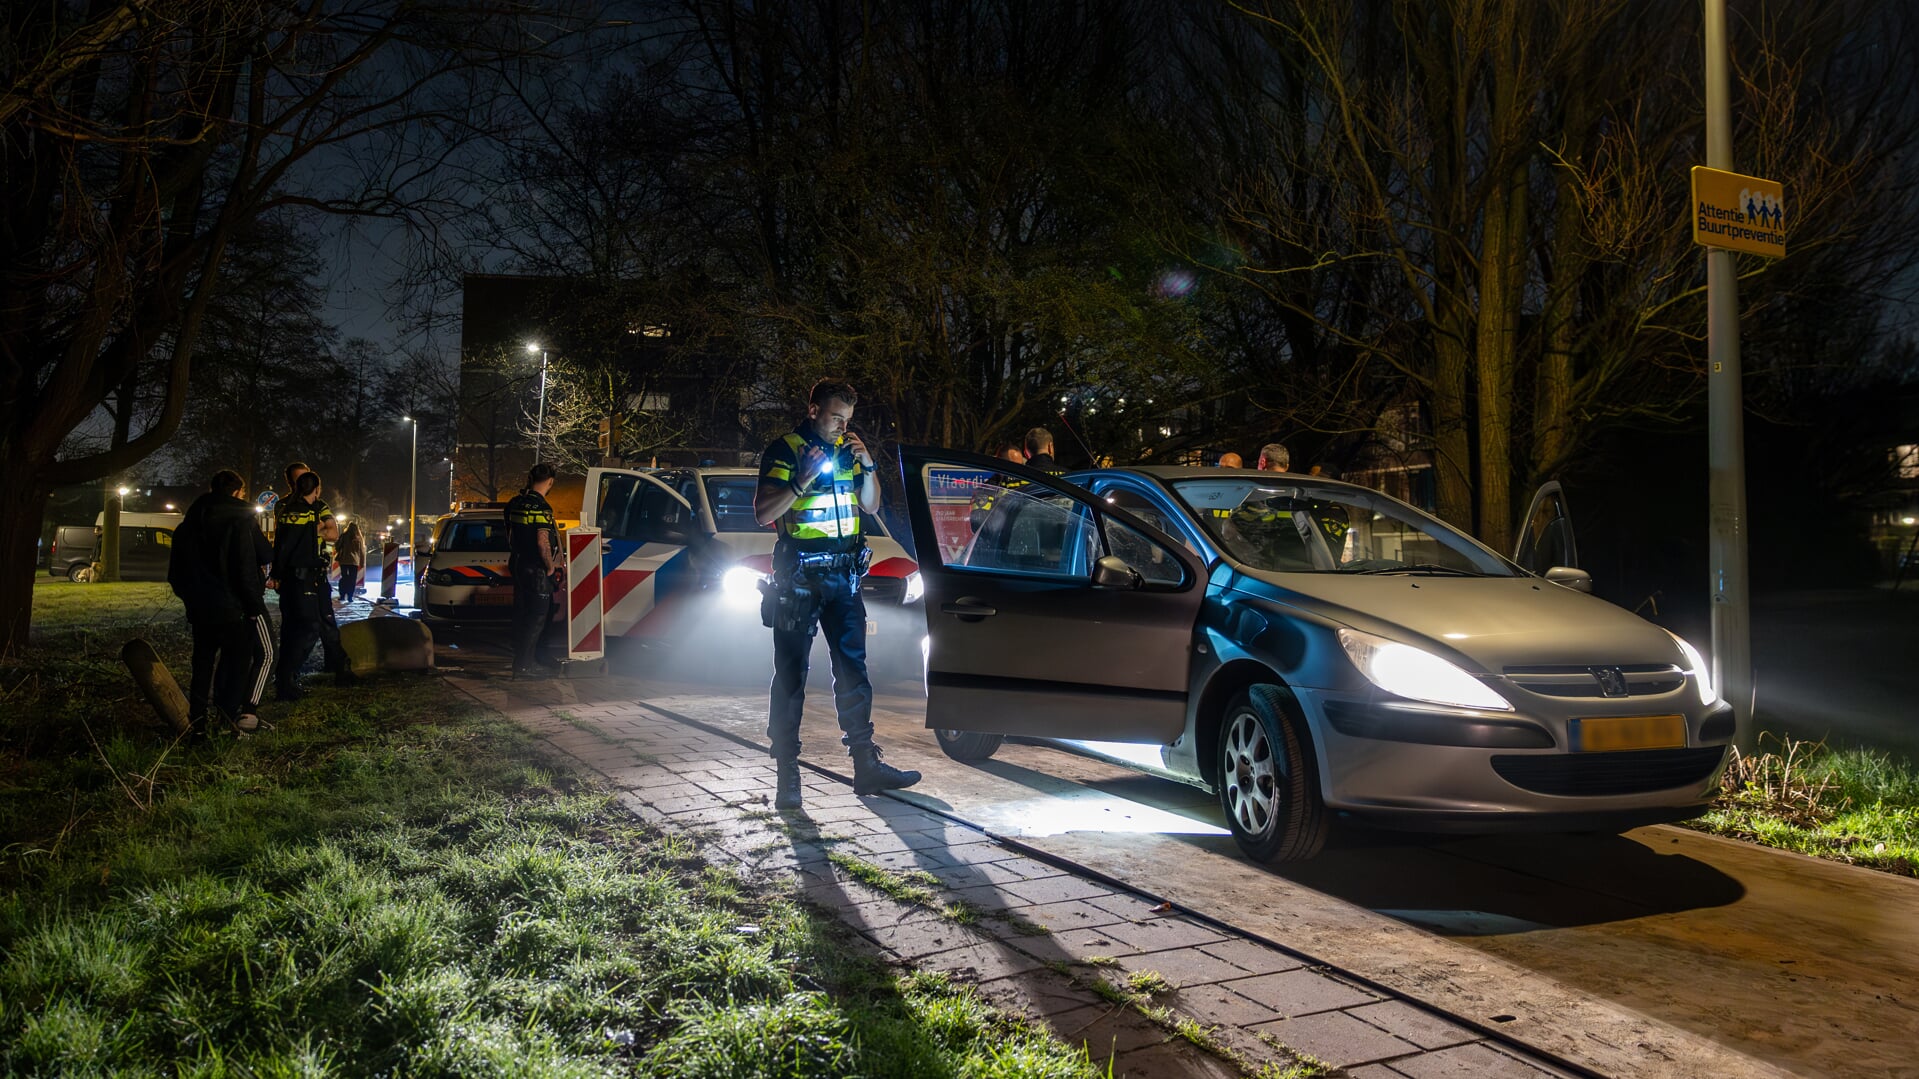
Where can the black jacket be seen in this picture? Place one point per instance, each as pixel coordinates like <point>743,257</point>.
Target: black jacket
<point>215,565</point>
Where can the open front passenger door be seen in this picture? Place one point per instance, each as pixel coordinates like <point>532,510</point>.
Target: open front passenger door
<point>1546,545</point>
<point>1050,613</point>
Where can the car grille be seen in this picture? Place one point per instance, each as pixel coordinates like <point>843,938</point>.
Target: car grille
<point>1634,772</point>
<point>1642,680</point>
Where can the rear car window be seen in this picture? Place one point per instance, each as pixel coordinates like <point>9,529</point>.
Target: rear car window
<point>477,535</point>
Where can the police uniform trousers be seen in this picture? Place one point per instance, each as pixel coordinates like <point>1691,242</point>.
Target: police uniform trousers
<point>533,599</point>
<point>306,617</point>
<point>841,612</point>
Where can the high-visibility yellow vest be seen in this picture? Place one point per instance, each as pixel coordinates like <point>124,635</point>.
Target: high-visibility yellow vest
<point>828,514</point>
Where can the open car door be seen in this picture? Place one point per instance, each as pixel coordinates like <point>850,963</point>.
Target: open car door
<point>644,525</point>
<point>1546,544</point>
<point>1049,612</point>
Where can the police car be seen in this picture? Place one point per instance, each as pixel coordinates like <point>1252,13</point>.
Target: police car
<point>682,558</point>
<point>466,577</point>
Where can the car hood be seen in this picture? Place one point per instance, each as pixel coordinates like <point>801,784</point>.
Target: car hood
<point>755,551</point>
<point>1493,622</point>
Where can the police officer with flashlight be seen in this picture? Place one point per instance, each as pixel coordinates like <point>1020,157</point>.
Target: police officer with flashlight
<point>813,483</point>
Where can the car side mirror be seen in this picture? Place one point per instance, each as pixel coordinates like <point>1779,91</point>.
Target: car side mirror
<point>1113,572</point>
<point>1568,577</point>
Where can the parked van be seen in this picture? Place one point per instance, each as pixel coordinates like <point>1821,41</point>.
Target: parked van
<point>146,544</point>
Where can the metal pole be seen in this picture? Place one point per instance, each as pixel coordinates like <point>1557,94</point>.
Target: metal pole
<point>1725,424</point>
<point>539,429</point>
<point>413,511</point>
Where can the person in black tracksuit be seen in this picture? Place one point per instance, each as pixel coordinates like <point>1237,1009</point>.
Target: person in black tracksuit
<point>215,570</point>
<point>813,483</point>
<point>533,560</point>
<point>302,527</point>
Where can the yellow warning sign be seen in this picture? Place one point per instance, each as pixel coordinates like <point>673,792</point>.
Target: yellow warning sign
<point>1739,213</point>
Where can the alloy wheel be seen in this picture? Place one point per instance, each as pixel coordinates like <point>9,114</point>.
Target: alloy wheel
<point>1249,774</point>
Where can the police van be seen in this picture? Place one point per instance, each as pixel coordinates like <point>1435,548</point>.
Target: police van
<point>465,576</point>
<point>681,558</point>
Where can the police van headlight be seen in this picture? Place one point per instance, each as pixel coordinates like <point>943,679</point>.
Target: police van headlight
<point>915,587</point>
<point>740,586</point>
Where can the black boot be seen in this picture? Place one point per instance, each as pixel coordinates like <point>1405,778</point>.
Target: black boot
<point>872,775</point>
<point>787,794</point>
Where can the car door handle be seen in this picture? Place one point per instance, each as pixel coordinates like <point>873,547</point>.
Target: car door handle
<point>968,607</point>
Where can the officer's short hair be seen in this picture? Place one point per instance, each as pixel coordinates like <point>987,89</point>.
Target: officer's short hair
<point>1277,459</point>
<point>540,473</point>
<point>226,482</point>
<point>1039,440</point>
<point>308,483</point>
<point>295,469</point>
<point>828,388</point>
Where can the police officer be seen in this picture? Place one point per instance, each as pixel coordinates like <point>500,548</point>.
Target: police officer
<point>1039,454</point>
<point>303,526</point>
<point>534,561</point>
<point>814,482</point>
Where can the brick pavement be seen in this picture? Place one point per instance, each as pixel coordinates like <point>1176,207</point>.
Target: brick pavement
<point>1044,935</point>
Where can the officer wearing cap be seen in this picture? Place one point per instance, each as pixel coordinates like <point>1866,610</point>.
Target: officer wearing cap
<point>813,483</point>
<point>533,560</point>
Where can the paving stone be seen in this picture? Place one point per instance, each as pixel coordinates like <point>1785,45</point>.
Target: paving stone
<point>1215,1005</point>
<point>1416,1025</point>
<point>1057,889</point>
<point>1183,966</point>
<point>1072,914</point>
<point>1118,1031</point>
<point>1337,1038</point>
<point>1082,944</point>
<point>916,935</point>
<point>967,875</point>
<point>989,898</point>
<point>1160,934</point>
<point>984,962</point>
<point>1252,956</point>
<point>1300,992</point>
<point>1376,1071</point>
<point>1180,1059</point>
<point>1475,1061</point>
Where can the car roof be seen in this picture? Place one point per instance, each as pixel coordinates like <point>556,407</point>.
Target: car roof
<point>1169,473</point>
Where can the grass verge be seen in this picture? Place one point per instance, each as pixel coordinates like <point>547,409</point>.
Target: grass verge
<point>1850,805</point>
<point>395,881</point>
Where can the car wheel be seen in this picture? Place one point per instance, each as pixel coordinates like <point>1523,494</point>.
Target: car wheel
<point>1267,785</point>
<point>968,745</point>
<point>79,573</point>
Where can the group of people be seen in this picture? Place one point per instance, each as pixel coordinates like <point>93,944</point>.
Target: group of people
<point>223,565</point>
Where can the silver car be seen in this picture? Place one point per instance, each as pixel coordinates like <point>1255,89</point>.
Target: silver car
<point>1303,648</point>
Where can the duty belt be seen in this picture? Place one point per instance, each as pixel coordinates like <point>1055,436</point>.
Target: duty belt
<point>851,561</point>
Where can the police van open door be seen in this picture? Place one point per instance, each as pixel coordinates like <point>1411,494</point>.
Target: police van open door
<point>645,532</point>
<point>1546,544</point>
<point>1049,613</point>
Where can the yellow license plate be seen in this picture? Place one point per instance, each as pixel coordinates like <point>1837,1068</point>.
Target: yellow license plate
<point>1598,735</point>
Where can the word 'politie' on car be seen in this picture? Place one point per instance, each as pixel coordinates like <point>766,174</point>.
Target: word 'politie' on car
<point>1302,647</point>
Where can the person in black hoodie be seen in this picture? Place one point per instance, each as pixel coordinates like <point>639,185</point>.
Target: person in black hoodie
<point>215,570</point>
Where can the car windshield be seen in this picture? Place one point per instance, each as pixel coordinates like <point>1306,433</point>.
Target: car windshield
<point>732,500</point>
<point>1309,527</point>
<point>487,534</point>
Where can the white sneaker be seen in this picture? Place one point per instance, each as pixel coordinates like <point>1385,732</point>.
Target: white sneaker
<point>245,723</point>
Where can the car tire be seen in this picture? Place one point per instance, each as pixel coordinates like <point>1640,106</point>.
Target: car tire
<point>1268,784</point>
<point>968,745</point>
<point>80,573</point>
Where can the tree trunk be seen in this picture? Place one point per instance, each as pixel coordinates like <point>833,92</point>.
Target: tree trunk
<point>1451,445</point>
<point>22,505</point>
<point>1495,346</point>
<point>1552,408</point>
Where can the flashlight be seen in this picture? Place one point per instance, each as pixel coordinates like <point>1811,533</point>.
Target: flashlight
<point>826,466</point>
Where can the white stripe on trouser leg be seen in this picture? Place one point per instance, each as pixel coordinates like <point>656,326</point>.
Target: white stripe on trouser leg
<point>266,658</point>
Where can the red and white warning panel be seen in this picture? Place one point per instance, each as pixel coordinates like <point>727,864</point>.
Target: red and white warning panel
<point>585,614</point>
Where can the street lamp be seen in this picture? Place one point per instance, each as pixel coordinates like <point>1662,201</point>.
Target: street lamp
<point>412,510</point>
<point>539,429</point>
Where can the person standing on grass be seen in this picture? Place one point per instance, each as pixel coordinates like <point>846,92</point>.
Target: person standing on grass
<point>215,570</point>
<point>303,528</point>
<point>352,555</point>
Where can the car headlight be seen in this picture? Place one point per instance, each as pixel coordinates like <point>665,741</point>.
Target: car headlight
<point>1700,672</point>
<point>740,586</point>
<point>1412,672</point>
<point>915,587</point>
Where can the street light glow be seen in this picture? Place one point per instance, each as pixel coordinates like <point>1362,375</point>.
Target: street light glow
<point>124,491</point>
<point>532,347</point>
